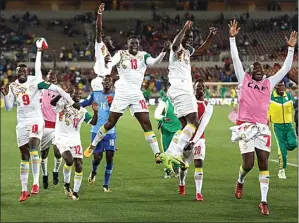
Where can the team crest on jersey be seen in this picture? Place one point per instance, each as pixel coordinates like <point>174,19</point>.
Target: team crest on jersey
<point>32,87</point>
<point>103,50</point>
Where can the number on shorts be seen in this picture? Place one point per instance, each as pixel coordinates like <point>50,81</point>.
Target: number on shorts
<point>133,63</point>
<point>75,122</point>
<point>34,128</point>
<point>111,142</point>
<point>143,104</point>
<point>268,142</point>
<point>77,150</point>
<point>197,150</point>
<point>26,99</point>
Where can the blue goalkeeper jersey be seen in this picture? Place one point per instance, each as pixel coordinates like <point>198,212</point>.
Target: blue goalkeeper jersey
<point>103,113</point>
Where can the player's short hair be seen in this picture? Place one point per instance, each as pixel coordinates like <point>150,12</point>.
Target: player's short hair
<point>256,64</point>
<point>22,65</point>
<point>133,37</point>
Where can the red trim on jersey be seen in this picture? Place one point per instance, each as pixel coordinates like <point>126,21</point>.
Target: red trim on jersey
<point>49,125</point>
<point>242,122</point>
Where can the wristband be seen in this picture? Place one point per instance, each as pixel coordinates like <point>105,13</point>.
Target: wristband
<point>99,13</point>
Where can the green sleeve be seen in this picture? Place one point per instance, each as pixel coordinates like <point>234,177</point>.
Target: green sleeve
<point>147,55</point>
<point>43,85</point>
<point>290,96</point>
<point>88,117</point>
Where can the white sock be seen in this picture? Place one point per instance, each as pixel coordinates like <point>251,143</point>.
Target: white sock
<point>77,181</point>
<point>183,175</point>
<point>24,174</point>
<point>185,137</point>
<point>44,165</point>
<point>100,135</point>
<point>67,171</point>
<point>173,144</point>
<point>198,178</point>
<point>35,164</point>
<point>57,163</point>
<point>264,179</point>
<point>152,140</point>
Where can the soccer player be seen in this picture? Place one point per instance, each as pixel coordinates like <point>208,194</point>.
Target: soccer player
<point>281,115</point>
<point>103,99</point>
<point>131,66</point>
<point>103,47</point>
<point>68,140</point>
<point>26,91</point>
<point>294,77</point>
<point>181,90</point>
<point>252,131</point>
<point>169,125</point>
<point>196,149</point>
<point>49,115</point>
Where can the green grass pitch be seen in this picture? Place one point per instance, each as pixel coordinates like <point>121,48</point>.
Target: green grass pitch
<point>139,193</point>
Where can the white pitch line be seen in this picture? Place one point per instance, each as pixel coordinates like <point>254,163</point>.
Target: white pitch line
<point>289,164</point>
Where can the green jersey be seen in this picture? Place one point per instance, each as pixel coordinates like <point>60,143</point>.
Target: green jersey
<point>165,110</point>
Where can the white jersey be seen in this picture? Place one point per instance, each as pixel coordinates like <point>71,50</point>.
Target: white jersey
<point>68,121</point>
<point>180,68</point>
<point>131,70</point>
<point>100,52</point>
<point>28,98</point>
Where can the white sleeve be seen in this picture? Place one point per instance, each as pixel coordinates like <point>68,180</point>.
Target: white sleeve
<point>152,61</point>
<point>60,91</point>
<point>239,71</point>
<point>286,67</point>
<point>159,110</point>
<point>203,123</point>
<point>114,60</point>
<point>38,65</point>
<point>60,105</point>
<point>9,100</point>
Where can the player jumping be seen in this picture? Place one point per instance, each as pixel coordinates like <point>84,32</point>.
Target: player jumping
<point>68,140</point>
<point>252,129</point>
<point>26,91</point>
<point>181,90</point>
<point>131,66</point>
<point>103,47</point>
<point>196,150</point>
<point>103,99</point>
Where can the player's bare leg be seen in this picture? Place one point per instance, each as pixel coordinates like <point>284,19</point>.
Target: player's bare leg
<point>24,171</point>
<point>248,163</point>
<point>44,165</point>
<point>67,171</point>
<point>108,170</point>
<point>97,157</point>
<point>264,178</point>
<point>35,163</point>
<point>77,178</point>
<point>112,120</point>
<point>57,164</point>
<point>144,120</point>
<point>198,178</point>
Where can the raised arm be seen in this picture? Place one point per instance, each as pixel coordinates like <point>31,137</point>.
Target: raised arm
<point>100,22</point>
<point>149,61</point>
<point>180,36</point>
<point>287,65</point>
<point>233,31</point>
<point>9,98</point>
<point>41,45</point>
<point>204,122</point>
<point>207,43</point>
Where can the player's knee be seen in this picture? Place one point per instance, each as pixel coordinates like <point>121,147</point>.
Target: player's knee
<point>98,157</point>
<point>44,154</point>
<point>109,159</point>
<point>247,166</point>
<point>109,125</point>
<point>146,125</point>
<point>25,156</point>
<point>198,163</point>
<point>78,165</point>
<point>57,154</point>
<point>69,161</point>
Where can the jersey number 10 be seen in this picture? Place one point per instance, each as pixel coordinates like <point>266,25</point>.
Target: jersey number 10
<point>133,64</point>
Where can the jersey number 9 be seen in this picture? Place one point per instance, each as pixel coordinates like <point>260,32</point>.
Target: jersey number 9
<point>25,99</point>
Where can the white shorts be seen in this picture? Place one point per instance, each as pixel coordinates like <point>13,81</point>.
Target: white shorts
<point>67,145</point>
<point>29,129</point>
<point>136,103</point>
<point>198,152</point>
<point>262,142</point>
<point>184,102</point>
<point>47,139</point>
